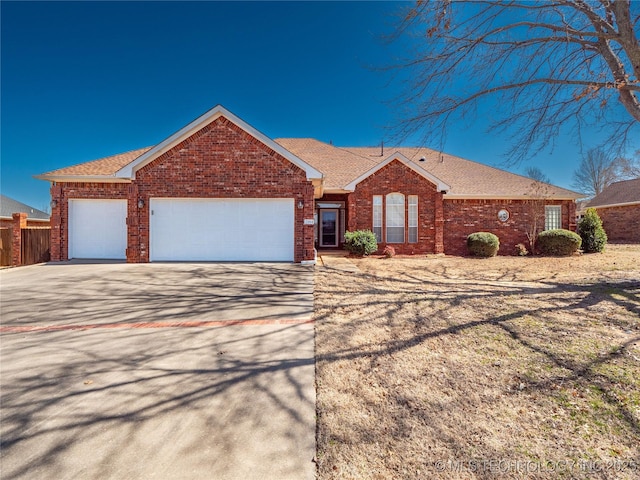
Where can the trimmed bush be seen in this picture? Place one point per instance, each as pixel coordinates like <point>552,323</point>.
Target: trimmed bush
<point>593,236</point>
<point>558,242</point>
<point>483,244</point>
<point>360,242</point>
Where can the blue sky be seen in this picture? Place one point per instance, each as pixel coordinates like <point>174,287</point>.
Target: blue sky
<point>84,80</point>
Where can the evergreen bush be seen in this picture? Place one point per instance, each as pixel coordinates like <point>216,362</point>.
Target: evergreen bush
<point>483,244</point>
<point>558,242</point>
<point>360,242</point>
<point>594,238</point>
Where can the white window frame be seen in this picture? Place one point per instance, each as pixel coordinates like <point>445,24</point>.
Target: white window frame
<point>552,217</point>
<point>395,218</point>
<point>413,218</point>
<point>377,217</point>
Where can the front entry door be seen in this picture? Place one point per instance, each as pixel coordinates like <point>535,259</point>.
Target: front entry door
<point>329,228</point>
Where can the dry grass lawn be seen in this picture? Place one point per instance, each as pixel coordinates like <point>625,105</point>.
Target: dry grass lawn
<point>447,367</point>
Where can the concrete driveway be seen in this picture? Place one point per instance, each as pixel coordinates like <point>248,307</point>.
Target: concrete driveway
<point>176,371</point>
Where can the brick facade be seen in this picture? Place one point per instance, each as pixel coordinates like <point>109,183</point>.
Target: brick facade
<point>60,196</point>
<point>219,161</point>
<point>622,223</point>
<point>444,224</point>
<point>464,216</point>
<point>398,178</point>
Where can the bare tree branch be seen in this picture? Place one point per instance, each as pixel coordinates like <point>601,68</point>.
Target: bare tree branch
<point>597,171</point>
<point>547,64</point>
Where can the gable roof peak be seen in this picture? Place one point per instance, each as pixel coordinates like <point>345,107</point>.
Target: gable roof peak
<point>129,170</point>
<point>441,186</point>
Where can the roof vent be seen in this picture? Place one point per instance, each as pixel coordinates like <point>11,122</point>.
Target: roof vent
<point>422,159</point>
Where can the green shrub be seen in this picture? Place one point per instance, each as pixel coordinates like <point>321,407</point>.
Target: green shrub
<point>594,238</point>
<point>483,244</point>
<point>558,242</point>
<point>360,242</point>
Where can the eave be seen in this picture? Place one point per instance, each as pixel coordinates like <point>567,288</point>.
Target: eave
<point>82,178</point>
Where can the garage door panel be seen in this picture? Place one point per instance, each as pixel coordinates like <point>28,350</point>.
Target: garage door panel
<point>222,229</point>
<point>97,229</point>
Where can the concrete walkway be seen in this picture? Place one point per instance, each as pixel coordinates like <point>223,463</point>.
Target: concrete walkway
<point>174,371</point>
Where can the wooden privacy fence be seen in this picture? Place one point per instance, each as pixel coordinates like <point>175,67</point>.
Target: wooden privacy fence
<point>5,246</point>
<point>36,243</point>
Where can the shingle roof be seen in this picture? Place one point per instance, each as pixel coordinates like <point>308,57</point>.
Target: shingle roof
<point>9,206</point>
<point>101,166</point>
<point>341,165</point>
<point>625,191</point>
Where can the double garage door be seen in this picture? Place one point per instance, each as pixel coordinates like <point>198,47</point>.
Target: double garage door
<point>188,229</point>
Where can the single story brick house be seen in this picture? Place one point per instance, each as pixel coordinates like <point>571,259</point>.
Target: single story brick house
<point>618,206</point>
<point>218,189</point>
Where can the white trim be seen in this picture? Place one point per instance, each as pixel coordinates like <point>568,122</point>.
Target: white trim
<point>441,186</point>
<point>336,190</point>
<point>329,204</point>
<point>625,204</point>
<point>82,178</point>
<point>216,112</point>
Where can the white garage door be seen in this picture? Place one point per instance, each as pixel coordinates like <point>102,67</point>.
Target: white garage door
<point>222,229</point>
<point>97,228</point>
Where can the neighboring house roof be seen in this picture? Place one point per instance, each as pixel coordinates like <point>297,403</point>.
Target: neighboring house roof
<point>625,192</point>
<point>9,206</point>
<point>467,179</point>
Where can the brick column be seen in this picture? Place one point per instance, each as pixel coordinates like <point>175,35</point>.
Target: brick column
<point>19,222</point>
<point>133,224</point>
<point>572,216</point>
<point>56,223</point>
<point>439,223</point>
<point>351,213</point>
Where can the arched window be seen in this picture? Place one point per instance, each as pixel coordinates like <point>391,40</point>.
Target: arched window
<point>395,218</point>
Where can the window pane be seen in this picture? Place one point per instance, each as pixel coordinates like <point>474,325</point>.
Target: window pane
<point>377,231</point>
<point>413,219</point>
<point>395,234</point>
<point>395,218</point>
<point>552,217</point>
<point>377,217</point>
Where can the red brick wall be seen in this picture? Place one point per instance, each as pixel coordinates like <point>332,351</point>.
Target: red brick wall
<point>463,217</point>
<point>60,196</point>
<point>396,177</point>
<point>219,161</point>
<point>622,224</point>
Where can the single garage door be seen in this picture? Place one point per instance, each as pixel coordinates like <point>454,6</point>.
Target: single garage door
<point>217,229</point>
<point>97,228</point>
